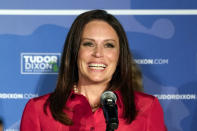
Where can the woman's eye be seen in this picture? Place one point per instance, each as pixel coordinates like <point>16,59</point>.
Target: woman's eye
<point>88,44</point>
<point>109,45</point>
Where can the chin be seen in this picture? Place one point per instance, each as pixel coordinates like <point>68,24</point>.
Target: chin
<point>99,80</point>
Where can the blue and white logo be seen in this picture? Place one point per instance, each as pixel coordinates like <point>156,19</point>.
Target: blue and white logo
<point>40,63</point>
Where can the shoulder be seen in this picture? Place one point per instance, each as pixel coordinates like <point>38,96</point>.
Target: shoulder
<point>144,101</point>
<point>40,99</point>
<point>36,103</point>
<point>34,114</point>
<point>149,106</point>
<point>139,96</point>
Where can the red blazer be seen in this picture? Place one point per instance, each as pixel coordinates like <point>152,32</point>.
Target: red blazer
<point>149,118</point>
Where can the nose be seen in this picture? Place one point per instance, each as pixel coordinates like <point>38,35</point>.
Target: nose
<point>98,52</point>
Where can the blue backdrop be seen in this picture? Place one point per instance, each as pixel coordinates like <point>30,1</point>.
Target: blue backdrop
<point>164,46</point>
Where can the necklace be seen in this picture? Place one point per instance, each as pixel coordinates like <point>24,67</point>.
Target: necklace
<point>75,89</point>
<point>93,106</point>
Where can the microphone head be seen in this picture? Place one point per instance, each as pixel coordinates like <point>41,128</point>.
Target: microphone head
<point>108,96</point>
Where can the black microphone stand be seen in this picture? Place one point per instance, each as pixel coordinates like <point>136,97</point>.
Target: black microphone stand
<point>110,110</point>
<point>112,118</point>
<point>109,128</point>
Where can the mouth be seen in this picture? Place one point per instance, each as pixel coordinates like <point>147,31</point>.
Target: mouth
<point>97,66</point>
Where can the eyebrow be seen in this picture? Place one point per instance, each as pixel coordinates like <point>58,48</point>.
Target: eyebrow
<point>94,40</point>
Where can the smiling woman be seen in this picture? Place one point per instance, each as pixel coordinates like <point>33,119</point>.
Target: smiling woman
<point>96,58</point>
<point>98,53</point>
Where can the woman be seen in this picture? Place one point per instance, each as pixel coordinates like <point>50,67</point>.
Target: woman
<point>95,58</point>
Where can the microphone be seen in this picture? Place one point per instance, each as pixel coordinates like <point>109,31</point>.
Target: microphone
<point>110,110</point>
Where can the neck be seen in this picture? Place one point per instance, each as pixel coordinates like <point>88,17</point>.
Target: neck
<point>92,92</point>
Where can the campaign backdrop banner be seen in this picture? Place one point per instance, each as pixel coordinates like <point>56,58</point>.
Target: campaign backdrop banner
<point>162,37</point>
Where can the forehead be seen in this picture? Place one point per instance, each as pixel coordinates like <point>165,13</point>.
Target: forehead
<point>99,28</point>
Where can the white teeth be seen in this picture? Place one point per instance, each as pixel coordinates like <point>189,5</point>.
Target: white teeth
<point>97,68</point>
<point>97,65</point>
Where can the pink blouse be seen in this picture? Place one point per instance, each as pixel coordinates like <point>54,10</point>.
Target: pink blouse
<point>149,117</point>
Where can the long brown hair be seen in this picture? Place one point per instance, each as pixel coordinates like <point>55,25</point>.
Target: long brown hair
<point>68,72</point>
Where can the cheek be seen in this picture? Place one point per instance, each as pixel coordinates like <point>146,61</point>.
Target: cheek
<point>113,56</point>
<point>83,56</point>
<point>83,53</point>
<point>79,59</point>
